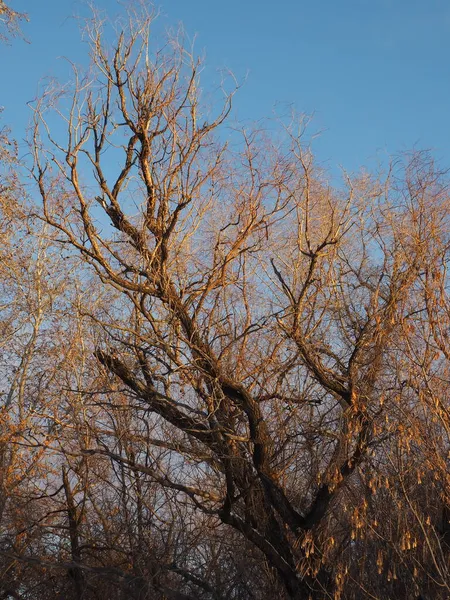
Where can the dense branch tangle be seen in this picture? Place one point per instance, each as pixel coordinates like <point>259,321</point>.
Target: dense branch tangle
<point>256,313</point>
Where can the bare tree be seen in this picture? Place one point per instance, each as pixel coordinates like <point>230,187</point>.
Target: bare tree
<point>232,381</point>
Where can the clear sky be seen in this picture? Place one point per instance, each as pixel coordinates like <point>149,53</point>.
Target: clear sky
<point>376,73</point>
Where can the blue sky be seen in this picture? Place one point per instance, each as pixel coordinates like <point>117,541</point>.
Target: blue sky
<point>376,74</point>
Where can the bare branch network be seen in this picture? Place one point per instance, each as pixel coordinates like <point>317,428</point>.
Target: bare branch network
<point>222,377</point>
